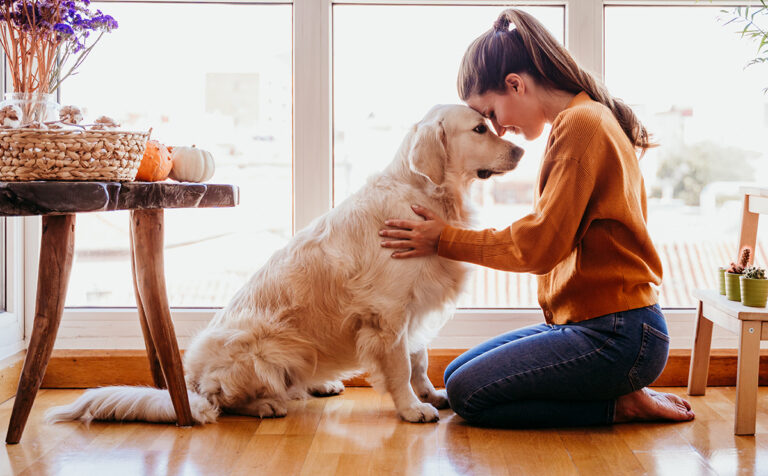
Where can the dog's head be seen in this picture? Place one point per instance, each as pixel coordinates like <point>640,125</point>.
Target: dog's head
<point>454,144</point>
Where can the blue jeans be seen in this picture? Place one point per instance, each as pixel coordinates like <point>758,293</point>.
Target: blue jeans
<point>559,375</point>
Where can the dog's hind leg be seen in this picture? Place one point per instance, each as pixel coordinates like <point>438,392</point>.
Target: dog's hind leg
<point>388,354</point>
<point>260,407</point>
<point>421,384</point>
<point>327,389</point>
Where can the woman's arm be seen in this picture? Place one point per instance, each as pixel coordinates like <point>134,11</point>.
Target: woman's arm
<point>414,237</point>
<point>533,244</point>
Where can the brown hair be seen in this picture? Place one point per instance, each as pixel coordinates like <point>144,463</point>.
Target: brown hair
<point>529,48</point>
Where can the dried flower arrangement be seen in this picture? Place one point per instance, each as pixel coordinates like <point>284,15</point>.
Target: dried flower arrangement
<point>45,41</point>
<point>41,38</point>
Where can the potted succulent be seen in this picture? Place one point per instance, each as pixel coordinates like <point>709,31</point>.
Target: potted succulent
<point>754,287</point>
<point>733,273</point>
<point>721,280</point>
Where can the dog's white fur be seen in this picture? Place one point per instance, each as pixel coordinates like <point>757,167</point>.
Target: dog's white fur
<point>333,302</point>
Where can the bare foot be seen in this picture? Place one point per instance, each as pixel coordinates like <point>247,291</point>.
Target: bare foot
<point>648,405</point>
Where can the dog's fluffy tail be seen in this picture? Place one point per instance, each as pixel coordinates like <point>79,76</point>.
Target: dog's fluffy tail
<point>130,404</point>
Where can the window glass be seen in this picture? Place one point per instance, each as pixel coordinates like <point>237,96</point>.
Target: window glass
<point>391,64</point>
<point>687,81</point>
<point>214,75</point>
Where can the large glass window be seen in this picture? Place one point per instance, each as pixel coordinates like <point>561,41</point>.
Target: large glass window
<point>214,75</point>
<point>386,79</point>
<point>687,81</point>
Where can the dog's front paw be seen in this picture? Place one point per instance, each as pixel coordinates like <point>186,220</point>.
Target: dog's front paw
<point>438,399</point>
<point>420,413</point>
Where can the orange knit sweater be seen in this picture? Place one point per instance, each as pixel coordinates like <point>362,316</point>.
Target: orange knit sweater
<point>586,237</point>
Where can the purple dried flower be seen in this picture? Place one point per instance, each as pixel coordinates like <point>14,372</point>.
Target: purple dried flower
<point>64,26</point>
<point>103,22</point>
<point>63,30</point>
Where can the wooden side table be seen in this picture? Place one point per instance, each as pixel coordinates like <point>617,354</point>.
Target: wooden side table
<point>749,323</point>
<point>58,203</point>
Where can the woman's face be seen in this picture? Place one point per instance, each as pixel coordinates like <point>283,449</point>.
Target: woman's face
<point>516,110</point>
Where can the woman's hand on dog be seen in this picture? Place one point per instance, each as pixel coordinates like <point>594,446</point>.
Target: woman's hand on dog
<point>414,237</point>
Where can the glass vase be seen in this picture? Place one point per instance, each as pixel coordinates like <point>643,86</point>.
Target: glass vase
<point>35,107</point>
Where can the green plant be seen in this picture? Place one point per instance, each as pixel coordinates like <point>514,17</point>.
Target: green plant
<point>743,261</point>
<point>749,17</point>
<point>754,272</point>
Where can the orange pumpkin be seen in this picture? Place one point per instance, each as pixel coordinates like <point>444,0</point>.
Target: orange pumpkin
<point>156,163</point>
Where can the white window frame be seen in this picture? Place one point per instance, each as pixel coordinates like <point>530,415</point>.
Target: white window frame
<point>12,318</point>
<point>12,322</point>
<point>313,175</point>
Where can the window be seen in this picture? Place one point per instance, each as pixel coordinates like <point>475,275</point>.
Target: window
<point>214,75</point>
<point>688,83</point>
<point>377,51</point>
<point>386,79</point>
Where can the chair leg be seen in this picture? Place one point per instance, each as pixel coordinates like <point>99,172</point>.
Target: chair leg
<point>747,377</point>
<point>702,341</point>
<point>56,250</point>
<point>748,229</point>
<point>147,228</point>
<point>154,363</point>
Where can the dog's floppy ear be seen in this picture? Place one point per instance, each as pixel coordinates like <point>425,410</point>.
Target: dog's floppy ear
<point>427,155</point>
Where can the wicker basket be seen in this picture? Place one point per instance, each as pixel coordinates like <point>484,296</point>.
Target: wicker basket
<point>56,154</point>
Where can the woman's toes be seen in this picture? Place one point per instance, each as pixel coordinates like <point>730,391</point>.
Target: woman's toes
<point>646,405</point>
<point>670,407</point>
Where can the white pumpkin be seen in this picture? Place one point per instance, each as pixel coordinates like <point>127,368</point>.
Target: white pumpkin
<point>191,164</point>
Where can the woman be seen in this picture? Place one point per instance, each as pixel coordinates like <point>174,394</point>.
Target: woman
<point>605,337</point>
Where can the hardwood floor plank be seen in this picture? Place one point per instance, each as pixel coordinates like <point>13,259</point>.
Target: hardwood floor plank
<point>711,436</point>
<point>274,454</point>
<point>41,440</point>
<point>359,433</point>
<point>304,417</point>
<point>595,449</point>
<point>486,451</point>
<point>527,451</point>
<point>674,463</point>
<point>653,437</point>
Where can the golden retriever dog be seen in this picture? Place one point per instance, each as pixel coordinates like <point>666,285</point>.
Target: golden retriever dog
<point>332,302</point>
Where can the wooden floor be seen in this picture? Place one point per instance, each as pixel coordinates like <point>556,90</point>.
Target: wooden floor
<point>358,434</point>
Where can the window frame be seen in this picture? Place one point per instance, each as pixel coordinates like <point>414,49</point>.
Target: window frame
<point>12,314</point>
<point>313,172</point>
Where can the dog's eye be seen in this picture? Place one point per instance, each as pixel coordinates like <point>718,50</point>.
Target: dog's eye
<point>481,129</point>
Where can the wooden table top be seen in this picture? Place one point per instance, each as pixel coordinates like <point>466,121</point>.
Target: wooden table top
<point>60,197</point>
<point>731,308</point>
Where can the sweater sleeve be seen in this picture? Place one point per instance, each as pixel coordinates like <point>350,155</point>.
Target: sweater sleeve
<point>538,241</point>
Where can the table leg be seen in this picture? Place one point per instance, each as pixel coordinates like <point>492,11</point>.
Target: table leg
<point>154,362</point>
<point>702,341</point>
<point>147,229</point>
<point>56,250</point>
<point>747,377</point>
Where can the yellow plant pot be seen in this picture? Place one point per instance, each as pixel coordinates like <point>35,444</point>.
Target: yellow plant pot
<point>732,286</point>
<point>754,292</point>
<point>721,280</point>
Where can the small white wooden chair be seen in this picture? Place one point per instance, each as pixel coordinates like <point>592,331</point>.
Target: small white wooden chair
<point>749,323</point>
